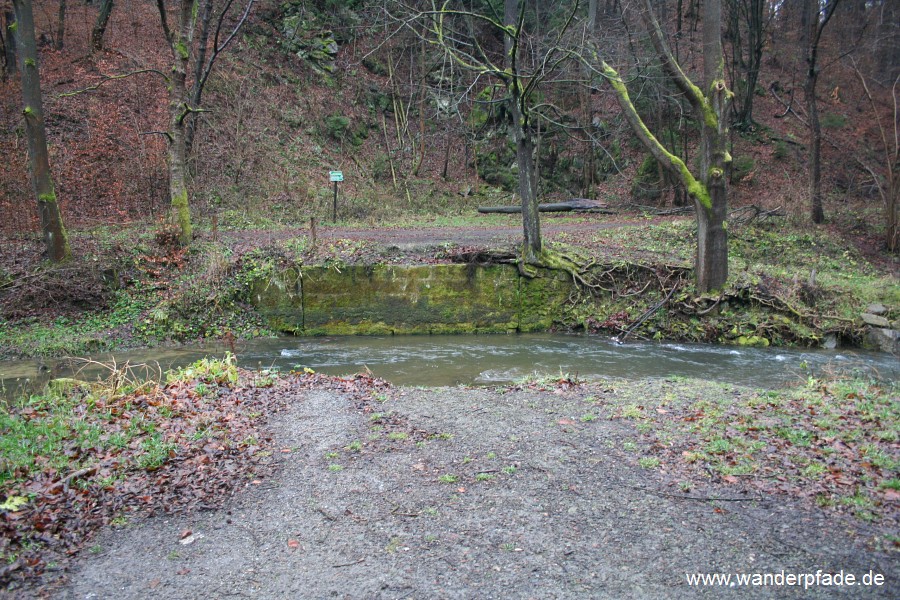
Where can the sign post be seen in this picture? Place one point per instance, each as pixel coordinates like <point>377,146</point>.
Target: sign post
<point>335,176</point>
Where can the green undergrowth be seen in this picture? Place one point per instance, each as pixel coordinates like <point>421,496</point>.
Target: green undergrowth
<point>786,286</point>
<point>168,296</point>
<point>833,441</point>
<point>73,423</point>
<point>80,455</point>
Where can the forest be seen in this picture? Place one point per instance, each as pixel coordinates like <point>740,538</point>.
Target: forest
<point>694,181</point>
<point>182,120</point>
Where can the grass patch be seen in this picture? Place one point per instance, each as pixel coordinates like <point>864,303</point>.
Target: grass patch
<point>109,439</point>
<point>816,439</point>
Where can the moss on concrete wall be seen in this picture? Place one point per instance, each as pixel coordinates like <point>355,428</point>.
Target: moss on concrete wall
<point>409,299</point>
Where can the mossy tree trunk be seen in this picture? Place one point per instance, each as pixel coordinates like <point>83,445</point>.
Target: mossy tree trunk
<point>52,227</point>
<point>182,104</point>
<point>708,189</point>
<point>180,39</point>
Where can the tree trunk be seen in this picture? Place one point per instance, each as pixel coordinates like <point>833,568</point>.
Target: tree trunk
<point>199,66</point>
<point>709,192</point>
<point>813,28</point>
<point>587,183</point>
<point>181,39</point>
<point>712,239</point>
<point>61,25</point>
<point>54,233</point>
<point>531,225</point>
<point>712,249</point>
<point>891,208</point>
<point>9,42</point>
<point>754,13</point>
<point>100,25</point>
<point>817,213</point>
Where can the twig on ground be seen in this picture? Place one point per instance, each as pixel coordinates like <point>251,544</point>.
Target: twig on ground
<point>349,564</point>
<point>698,498</point>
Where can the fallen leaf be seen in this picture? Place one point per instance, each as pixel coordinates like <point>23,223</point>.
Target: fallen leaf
<point>153,583</point>
<point>182,572</point>
<point>14,503</point>
<point>566,422</point>
<point>730,479</point>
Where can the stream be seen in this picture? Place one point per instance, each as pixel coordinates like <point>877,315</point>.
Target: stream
<point>479,360</point>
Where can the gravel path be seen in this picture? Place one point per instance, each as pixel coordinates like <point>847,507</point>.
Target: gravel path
<point>470,493</point>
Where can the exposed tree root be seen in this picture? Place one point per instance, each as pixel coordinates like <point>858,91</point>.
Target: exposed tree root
<point>672,283</point>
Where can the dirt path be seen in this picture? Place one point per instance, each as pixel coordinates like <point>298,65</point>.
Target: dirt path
<point>488,236</point>
<point>469,493</point>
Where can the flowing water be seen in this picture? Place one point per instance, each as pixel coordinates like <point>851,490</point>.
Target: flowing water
<point>486,359</point>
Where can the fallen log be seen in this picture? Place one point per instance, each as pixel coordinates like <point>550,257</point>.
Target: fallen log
<point>575,204</point>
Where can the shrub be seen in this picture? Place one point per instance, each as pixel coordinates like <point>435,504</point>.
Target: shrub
<point>781,151</point>
<point>647,185</point>
<point>741,167</point>
<point>833,120</point>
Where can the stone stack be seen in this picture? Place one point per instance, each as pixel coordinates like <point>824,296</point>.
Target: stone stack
<point>882,334</point>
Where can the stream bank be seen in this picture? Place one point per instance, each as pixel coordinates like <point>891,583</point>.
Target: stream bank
<point>550,488</point>
<point>129,289</point>
<point>462,493</point>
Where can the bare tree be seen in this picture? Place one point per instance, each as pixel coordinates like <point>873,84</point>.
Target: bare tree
<point>815,16</point>
<point>61,25</point>
<point>180,38</point>
<point>747,26</point>
<point>208,51</point>
<point>55,237</point>
<point>708,189</point>
<point>452,29</point>
<point>889,183</point>
<point>100,24</point>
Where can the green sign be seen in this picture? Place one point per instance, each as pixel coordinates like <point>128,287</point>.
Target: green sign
<point>336,175</point>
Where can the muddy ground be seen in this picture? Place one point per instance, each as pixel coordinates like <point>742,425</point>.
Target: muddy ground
<point>472,493</point>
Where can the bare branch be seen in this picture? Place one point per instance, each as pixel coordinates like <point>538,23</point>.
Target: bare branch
<point>108,78</point>
<point>217,49</point>
<point>670,65</point>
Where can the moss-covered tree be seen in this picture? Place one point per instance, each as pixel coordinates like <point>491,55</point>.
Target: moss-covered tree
<point>180,40</point>
<point>708,187</point>
<point>182,105</point>
<point>52,227</point>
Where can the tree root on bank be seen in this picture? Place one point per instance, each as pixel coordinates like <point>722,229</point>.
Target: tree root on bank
<point>623,279</point>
